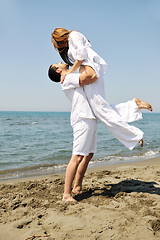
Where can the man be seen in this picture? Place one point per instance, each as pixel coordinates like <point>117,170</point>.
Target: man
<point>129,110</point>
<point>84,126</point>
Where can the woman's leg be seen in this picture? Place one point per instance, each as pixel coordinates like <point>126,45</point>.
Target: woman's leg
<point>131,110</point>
<point>70,174</point>
<point>80,173</point>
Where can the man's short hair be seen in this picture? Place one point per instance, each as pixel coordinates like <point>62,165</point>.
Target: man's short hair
<point>53,75</point>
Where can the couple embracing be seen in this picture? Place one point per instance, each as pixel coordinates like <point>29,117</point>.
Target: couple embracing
<point>86,92</point>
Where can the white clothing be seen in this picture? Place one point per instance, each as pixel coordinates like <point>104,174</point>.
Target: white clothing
<point>84,137</point>
<point>79,48</point>
<point>82,119</point>
<point>129,111</point>
<point>80,105</point>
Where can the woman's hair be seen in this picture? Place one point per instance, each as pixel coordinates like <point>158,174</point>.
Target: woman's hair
<point>60,42</point>
<point>53,75</point>
<point>60,38</point>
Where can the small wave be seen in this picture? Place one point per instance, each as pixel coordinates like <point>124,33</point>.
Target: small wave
<point>8,119</point>
<point>151,153</point>
<point>23,123</point>
<point>60,166</point>
<point>117,159</point>
<point>37,170</point>
<point>34,123</point>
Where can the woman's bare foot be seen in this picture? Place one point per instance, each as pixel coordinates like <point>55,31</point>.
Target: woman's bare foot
<point>143,105</point>
<point>77,190</point>
<point>68,198</point>
<point>141,142</point>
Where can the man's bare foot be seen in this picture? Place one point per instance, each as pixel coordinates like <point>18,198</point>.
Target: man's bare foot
<point>77,190</point>
<point>143,105</point>
<point>141,142</point>
<point>68,198</point>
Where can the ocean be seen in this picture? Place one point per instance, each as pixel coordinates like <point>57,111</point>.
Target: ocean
<point>40,143</point>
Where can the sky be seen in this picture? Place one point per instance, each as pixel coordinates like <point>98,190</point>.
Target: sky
<point>125,33</point>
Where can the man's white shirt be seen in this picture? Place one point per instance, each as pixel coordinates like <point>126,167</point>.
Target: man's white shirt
<point>75,93</point>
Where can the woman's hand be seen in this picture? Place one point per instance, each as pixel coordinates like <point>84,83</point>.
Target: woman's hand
<point>75,66</point>
<point>63,77</point>
<point>81,69</point>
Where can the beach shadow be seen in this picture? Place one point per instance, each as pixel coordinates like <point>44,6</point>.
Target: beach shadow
<point>126,186</point>
<point>129,186</point>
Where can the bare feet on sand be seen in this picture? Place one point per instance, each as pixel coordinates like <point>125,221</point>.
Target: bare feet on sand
<point>77,190</point>
<point>143,105</point>
<point>141,142</point>
<point>68,198</point>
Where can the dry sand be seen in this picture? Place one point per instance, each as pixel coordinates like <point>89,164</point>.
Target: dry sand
<point>119,202</point>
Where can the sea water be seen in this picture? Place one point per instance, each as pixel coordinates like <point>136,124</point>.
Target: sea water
<point>40,143</point>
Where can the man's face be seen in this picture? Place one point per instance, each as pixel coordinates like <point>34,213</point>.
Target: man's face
<point>61,66</point>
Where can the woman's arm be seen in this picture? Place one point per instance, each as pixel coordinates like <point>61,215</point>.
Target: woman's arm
<point>75,66</point>
<point>78,44</point>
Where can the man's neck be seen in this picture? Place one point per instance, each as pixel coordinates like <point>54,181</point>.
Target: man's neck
<point>64,71</point>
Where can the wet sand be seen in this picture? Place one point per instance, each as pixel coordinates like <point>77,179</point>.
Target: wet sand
<point>119,202</point>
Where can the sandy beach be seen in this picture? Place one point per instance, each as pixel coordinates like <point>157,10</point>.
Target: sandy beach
<point>118,202</point>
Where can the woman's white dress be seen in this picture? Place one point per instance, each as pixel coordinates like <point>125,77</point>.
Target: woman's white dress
<point>115,118</point>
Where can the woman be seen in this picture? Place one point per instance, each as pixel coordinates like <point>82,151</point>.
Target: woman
<point>74,47</point>
<point>60,40</point>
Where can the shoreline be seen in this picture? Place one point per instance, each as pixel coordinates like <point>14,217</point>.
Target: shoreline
<point>91,169</point>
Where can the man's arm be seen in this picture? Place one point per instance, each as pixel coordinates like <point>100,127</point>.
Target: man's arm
<point>87,76</point>
<point>71,81</point>
<point>82,78</point>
